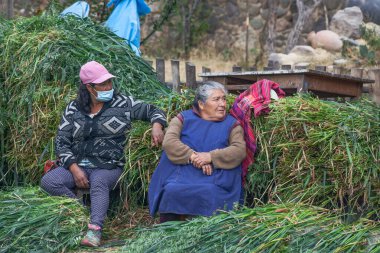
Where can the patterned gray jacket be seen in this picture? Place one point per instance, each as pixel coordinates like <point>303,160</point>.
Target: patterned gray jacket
<point>101,139</point>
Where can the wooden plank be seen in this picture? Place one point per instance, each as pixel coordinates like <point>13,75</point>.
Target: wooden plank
<point>286,81</point>
<point>375,91</point>
<point>160,69</point>
<point>190,75</point>
<point>236,68</point>
<point>219,79</point>
<point>321,68</point>
<point>205,70</point>
<point>338,87</point>
<point>175,75</point>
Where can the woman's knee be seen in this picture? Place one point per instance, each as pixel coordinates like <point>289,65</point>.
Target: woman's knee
<point>46,183</point>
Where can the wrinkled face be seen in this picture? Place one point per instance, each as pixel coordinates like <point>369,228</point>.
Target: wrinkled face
<point>214,108</point>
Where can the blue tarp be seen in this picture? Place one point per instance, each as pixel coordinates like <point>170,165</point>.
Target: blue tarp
<point>124,20</point>
<point>80,9</point>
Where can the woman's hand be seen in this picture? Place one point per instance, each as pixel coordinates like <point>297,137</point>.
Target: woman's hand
<point>80,178</point>
<point>207,169</point>
<point>157,134</point>
<point>200,159</point>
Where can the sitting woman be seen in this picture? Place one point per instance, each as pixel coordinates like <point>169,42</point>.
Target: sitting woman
<point>200,168</point>
<point>90,142</point>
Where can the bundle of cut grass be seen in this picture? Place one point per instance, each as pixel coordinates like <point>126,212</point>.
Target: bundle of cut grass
<point>31,221</point>
<point>41,57</point>
<point>318,152</point>
<point>270,228</point>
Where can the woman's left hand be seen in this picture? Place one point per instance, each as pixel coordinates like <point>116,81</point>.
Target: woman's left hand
<point>207,169</point>
<point>201,158</point>
<point>157,134</point>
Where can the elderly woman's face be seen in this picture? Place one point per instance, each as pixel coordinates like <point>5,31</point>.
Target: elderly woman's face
<point>215,106</point>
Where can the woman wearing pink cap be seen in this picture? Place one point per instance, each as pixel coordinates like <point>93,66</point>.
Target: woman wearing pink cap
<point>90,142</point>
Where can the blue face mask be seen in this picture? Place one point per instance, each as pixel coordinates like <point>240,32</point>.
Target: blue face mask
<point>104,96</point>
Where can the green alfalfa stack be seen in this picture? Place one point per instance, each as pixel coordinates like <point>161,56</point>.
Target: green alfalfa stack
<point>41,58</point>
<point>319,152</point>
<point>32,221</point>
<point>267,228</point>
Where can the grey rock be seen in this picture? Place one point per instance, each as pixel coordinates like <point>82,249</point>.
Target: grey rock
<point>257,23</point>
<point>347,22</point>
<point>303,50</point>
<point>370,9</point>
<point>254,9</point>
<point>280,12</point>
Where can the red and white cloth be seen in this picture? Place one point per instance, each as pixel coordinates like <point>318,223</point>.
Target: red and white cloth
<point>258,97</point>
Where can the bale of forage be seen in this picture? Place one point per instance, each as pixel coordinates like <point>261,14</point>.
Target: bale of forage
<point>319,152</point>
<point>268,228</point>
<point>41,57</point>
<point>32,221</point>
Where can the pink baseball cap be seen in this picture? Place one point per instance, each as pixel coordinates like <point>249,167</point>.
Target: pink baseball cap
<point>94,72</point>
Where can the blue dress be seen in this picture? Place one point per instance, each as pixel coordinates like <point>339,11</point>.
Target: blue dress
<point>184,189</point>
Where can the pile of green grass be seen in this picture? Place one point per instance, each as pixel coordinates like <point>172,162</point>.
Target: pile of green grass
<point>269,228</point>
<point>39,74</point>
<point>31,221</point>
<point>318,152</point>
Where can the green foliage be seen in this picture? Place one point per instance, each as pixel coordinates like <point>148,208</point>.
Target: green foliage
<point>268,228</point>
<point>31,221</point>
<point>368,54</point>
<point>41,57</point>
<point>320,153</point>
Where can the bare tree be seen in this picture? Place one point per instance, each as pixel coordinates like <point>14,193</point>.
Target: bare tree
<point>187,10</point>
<point>272,18</point>
<point>304,13</point>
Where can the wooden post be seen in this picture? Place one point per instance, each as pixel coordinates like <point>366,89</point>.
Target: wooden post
<point>286,67</point>
<point>160,69</point>
<point>191,81</point>
<point>276,65</point>
<point>205,70</point>
<point>236,68</point>
<point>175,74</point>
<point>10,9</point>
<point>337,70</point>
<point>302,66</point>
<point>321,68</point>
<point>375,91</point>
<point>357,72</point>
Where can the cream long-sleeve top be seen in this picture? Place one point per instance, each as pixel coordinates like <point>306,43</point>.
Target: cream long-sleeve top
<point>226,158</point>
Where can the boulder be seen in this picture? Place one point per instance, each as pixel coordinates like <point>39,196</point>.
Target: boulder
<point>301,55</point>
<point>325,39</point>
<point>347,22</point>
<point>370,9</point>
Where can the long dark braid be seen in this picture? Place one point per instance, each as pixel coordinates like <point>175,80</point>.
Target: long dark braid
<point>84,98</point>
